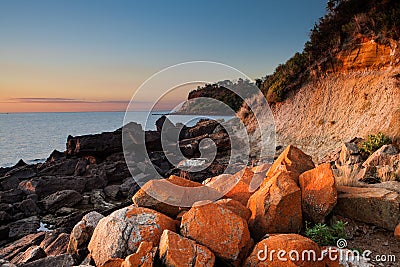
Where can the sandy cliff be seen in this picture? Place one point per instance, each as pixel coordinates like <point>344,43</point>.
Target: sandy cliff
<point>339,107</point>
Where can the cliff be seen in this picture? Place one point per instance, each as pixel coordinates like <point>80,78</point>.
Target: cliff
<point>341,106</point>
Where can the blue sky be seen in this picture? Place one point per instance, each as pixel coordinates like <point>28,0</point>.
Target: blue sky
<point>103,50</point>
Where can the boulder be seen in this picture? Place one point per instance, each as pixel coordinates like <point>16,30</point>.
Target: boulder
<point>82,232</point>
<point>47,185</point>
<point>168,195</point>
<point>143,257</point>
<point>349,154</point>
<point>24,227</point>
<point>397,232</point>
<point>383,165</point>
<point>31,254</point>
<point>64,198</point>
<point>219,229</point>
<point>58,246</point>
<point>28,207</point>
<point>114,262</point>
<point>176,250</point>
<point>276,206</point>
<point>64,167</point>
<point>120,233</point>
<point>99,145</point>
<point>12,178</point>
<point>11,250</point>
<point>112,191</point>
<point>236,207</point>
<point>318,192</point>
<point>288,247</point>
<point>11,196</point>
<point>63,260</point>
<point>292,160</point>
<point>377,206</point>
<point>239,186</point>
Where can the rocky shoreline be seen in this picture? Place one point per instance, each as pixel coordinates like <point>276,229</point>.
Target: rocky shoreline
<point>82,207</point>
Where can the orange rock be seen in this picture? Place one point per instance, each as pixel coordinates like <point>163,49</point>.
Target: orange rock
<point>318,192</point>
<point>331,256</point>
<point>282,250</point>
<point>114,262</point>
<point>276,207</point>
<point>144,256</point>
<point>120,234</point>
<point>263,168</point>
<point>239,186</point>
<point>171,200</point>
<point>397,232</point>
<point>219,229</point>
<point>293,160</point>
<point>236,207</point>
<point>176,250</point>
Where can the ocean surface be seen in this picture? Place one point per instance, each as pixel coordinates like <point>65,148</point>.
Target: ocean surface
<point>33,136</point>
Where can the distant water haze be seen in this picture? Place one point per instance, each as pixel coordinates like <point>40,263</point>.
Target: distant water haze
<point>33,136</point>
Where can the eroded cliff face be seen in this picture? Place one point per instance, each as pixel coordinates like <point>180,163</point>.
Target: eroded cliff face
<point>341,106</point>
<point>367,55</point>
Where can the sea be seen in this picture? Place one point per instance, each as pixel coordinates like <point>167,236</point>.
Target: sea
<point>33,136</point>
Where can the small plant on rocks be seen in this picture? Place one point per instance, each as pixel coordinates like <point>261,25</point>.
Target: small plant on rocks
<point>325,235</point>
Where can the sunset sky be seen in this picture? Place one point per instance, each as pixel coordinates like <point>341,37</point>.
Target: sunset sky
<point>92,55</point>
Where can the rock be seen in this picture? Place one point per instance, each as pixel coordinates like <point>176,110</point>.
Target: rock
<point>318,192</point>
<point>47,185</point>
<point>4,232</point>
<point>202,127</point>
<point>229,238</point>
<point>292,160</point>
<point>82,232</point>
<point>63,260</point>
<point>50,237</point>
<point>168,195</point>
<point>176,250</point>
<point>377,206</point>
<point>96,145</point>
<point>11,250</point>
<point>65,167</point>
<point>236,207</point>
<point>276,206</point>
<point>238,186</point>
<point>266,252</point>
<point>98,200</point>
<point>11,196</point>
<point>389,185</point>
<point>28,207</point>
<point>58,246</point>
<point>31,254</point>
<point>12,178</point>
<point>143,257</point>
<point>125,229</point>
<point>112,191</point>
<point>4,217</point>
<point>349,154</point>
<point>128,188</point>
<point>397,232</point>
<point>114,262</point>
<point>24,227</point>
<point>64,198</point>
<point>383,165</point>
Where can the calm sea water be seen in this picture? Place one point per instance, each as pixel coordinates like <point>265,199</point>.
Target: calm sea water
<point>33,136</point>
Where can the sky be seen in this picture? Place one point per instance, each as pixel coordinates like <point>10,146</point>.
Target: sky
<point>92,55</point>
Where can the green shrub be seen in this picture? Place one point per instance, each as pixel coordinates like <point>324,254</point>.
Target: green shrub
<point>325,235</point>
<point>374,142</point>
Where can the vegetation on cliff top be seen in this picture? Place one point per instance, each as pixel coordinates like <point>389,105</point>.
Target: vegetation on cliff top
<point>345,25</point>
